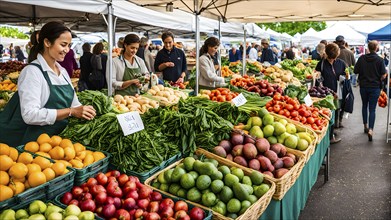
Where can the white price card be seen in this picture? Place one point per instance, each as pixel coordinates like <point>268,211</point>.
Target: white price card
<point>308,100</point>
<point>239,100</point>
<point>130,122</point>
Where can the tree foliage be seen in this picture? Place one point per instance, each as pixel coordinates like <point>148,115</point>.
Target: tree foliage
<point>294,27</point>
<point>12,33</point>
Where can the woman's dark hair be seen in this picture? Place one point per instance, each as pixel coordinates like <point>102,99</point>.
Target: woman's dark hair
<point>130,39</point>
<point>332,50</point>
<point>86,47</point>
<point>210,42</point>
<point>167,34</point>
<point>98,48</point>
<point>50,31</point>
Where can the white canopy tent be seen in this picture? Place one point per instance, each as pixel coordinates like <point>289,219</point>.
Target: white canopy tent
<point>351,36</point>
<point>310,38</point>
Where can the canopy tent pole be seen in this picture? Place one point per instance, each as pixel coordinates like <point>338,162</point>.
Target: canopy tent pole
<point>110,39</point>
<point>244,50</point>
<point>197,24</point>
<point>219,53</point>
<point>388,95</point>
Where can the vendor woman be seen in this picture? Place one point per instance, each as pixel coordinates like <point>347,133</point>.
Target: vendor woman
<point>45,98</point>
<point>128,69</point>
<point>208,76</point>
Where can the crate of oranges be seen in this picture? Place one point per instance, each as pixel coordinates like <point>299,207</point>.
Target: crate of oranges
<point>25,177</point>
<point>85,160</point>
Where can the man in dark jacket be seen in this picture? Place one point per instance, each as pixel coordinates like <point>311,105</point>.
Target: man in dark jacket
<point>371,71</point>
<point>85,66</point>
<point>267,53</point>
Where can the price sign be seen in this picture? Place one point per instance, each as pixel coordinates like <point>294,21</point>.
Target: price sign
<point>130,122</point>
<point>239,100</point>
<point>308,100</point>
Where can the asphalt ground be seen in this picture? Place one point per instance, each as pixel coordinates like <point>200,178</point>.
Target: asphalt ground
<point>359,185</point>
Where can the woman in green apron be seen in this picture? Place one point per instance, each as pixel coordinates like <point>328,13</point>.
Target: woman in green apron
<point>45,97</point>
<point>128,69</point>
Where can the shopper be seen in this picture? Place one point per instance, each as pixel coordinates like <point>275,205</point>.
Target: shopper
<point>234,54</point>
<point>85,67</point>
<point>267,53</point>
<point>11,50</point>
<point>144,53</point>
<point>331,69</point>
<point>170,60</point>
<point>253,54</point>
<point>290,54</point>
<point>319,52</point>
<point>128,69</point>
<point>19,54</point>
<point>45,96</point>
<point>371,71</point>
<point>69,63</point>
<point>208,76</point>
<point>345,54</point>
<point>33,43</point>
<point>97,77</point>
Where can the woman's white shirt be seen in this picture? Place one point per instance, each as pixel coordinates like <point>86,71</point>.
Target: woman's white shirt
<point>208,75</point>
<point>34,92</point>
<point>119,68</point>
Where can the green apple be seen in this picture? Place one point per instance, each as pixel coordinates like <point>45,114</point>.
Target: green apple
<point>73,217</point>
<point>52,209</point>
<point>37,207</point>
<point>8,214</point>
<point>72,210</point>
<point>54,216</point>
<point>21,213</point>
<point>86,215</point>
<point>37,217</point>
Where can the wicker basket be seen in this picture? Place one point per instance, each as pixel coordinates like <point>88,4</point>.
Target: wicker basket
<point>253,212</point>
<point>311,147</point>
<point>283,184</point>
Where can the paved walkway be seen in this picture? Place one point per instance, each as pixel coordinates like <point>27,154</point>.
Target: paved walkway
<point>359,185</point>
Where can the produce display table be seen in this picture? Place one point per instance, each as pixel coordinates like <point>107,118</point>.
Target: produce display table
<point>295,199</point>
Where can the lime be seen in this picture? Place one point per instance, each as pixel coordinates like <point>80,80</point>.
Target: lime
<point>220,207</point>
<point>232,215</point>
<point>244,206</point>
<point>205,191</point>
<point>259,191</point>
<point>213,161</point>
<point>161,178</point>
<point>226,194</point>
<point>173,189</point>
<point>238,172</point>
<point>177,173</point>
<point>188,162</point>
<point>164,187</point>
<point>256,177</point>
<point>187,181</point>
<point>262,112</point>
<point>233,205</point>
<point>272,140</point>
<point>168,174</point>
<point>247,180</point>
<point>217,175</point>
<point>224,170</point>
<point>197,166</point>
<point>181,193</point>
<point>208,168</point>
<point>252,199</point>
<point>209,199</point>
<point>194,174</point>
<point>230,179</point>
<point>217,186</point>
<point>156,184</point>
<point>203,182</point>
<point>194,195</point>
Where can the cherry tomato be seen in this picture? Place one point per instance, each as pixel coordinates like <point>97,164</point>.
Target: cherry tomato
<point>228,97</point>
<point>225,92</point>
<point>287,114</point>
<point>318,122</point>
<point>277,96</point>
<point>296,106</point>
<point>310,120</point>
<point>289,107</point>
<point>294,113</point>
<point>303,120</point>
<point>281,112</point>
<point>270,109</point>
<point>276,108</point>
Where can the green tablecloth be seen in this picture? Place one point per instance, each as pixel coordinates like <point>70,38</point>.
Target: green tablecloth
<point>295,199</point>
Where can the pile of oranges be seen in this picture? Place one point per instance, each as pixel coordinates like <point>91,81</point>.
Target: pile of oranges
<point>63,151</point>
<point>19,172</point>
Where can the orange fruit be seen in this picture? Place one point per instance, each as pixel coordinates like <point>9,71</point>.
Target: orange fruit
<point>6,193</point>
<point>26,185</point>
<point>78,147</point>
<point>89,152</point>
<point>57,153</point>
<point>33,167</point>
<point>5,162</point>
<point>17,187</point>
<point>18,170</point>
<point>76,163</point>
<point>81,154</point>
<point>89,159</point>
<point>36,179</point>
<point>49,173</point>
<point>43,154</point>
<point>13,154</point>
<point>58,168</point>
<point>31,146</point>
<point>44,138</point>
<point>45,147</point>
<point>25,158</point>
<point>65,172</point>
<point>42,162</point>
<point>98,156</point>
<point>66,143</point>
<point>69,153</point>
<point>56,140</point>
<point>22,180</point>
<point>4,178</point>
<point>66,163</point>
<point>4,149</point>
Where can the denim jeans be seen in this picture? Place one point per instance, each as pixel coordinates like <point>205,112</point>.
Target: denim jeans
<point>354,79</point>
<point>369,98</point>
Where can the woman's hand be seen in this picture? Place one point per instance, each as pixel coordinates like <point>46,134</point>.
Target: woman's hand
<point>84,111</point>
<point>180,80</point>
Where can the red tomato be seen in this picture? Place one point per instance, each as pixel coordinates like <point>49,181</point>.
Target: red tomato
<point>276,108</point>
<point>318,122</point>
<point>225,92</point>
<point>287,114</point>
<point>315,127</point>
<point>295,118</point>
<point>310,120</point>
<point>221,98</point>
<point>217,92</point>
<point>289,107</point>
<point>281,112</point>
<point>315,114</point>
<point>294,113</point>
<point>228,97</point>
<point>303,120</point>
<point>268,105</point>
<point>214,98</point>
<point>296,106</point>
<point>270,109</point>
<point>277,96</point>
